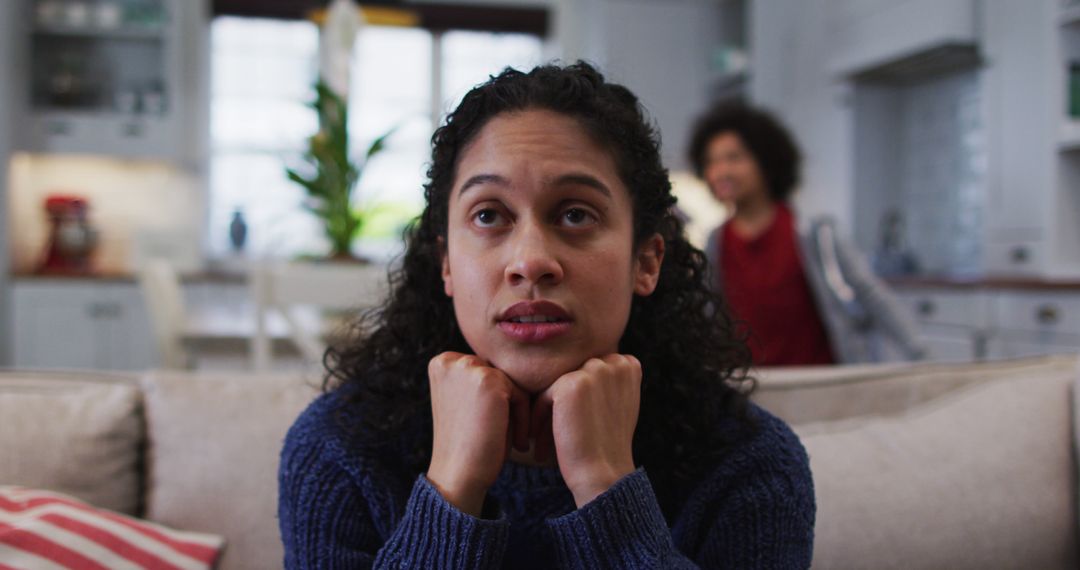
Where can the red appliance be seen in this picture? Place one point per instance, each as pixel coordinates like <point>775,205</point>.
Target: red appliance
<point>71,239</point>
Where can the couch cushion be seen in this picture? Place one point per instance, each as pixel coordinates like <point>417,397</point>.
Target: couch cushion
<point>41,529</point>
<point>214,443</point>
<point>76,435</point>
<point>981,477</point>
<point>809,394</point>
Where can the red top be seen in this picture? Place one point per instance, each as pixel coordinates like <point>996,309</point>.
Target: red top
<point>766,288</point>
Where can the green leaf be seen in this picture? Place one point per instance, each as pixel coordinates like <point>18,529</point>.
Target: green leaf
<point>333,176</point>
<point>379,144</point>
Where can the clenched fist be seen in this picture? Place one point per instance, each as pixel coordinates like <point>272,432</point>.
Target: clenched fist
<point>589,416</point>
<point>476,411</point>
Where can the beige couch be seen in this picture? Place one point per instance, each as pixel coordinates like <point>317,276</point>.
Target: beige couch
<point>915,466</point>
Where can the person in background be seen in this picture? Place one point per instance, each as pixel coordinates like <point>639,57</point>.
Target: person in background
<point>806,298</point>
<point>551,382</point>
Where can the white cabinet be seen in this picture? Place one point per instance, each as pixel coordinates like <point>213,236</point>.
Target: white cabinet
<point>952,345</point>
<point>1031,323</point>
<point>1044,313</point>
<point>113,77</point>
<point>953,323</point>
<point>1033,194</point>
<point>78,324</point>
<point>963,324</point>
<point>873,33</point>
<point>1018,46</point>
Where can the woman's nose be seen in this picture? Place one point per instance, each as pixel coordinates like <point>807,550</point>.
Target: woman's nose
<point>532,258</point>
<point>716,169</point>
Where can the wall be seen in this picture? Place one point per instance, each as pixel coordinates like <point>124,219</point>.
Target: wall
<point>657,48</point>
<point>127,199</point>
<point>791,46</point>
<point>920,149</point>
<point>7,57</point>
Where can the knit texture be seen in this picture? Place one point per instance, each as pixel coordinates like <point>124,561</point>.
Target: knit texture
<point>339,508</point>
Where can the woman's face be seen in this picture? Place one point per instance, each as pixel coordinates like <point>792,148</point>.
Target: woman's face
<point>539,258</point>
<point>731,171</point>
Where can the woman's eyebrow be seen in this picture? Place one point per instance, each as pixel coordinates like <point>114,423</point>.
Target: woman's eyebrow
<point>481,179</point>
<point>572,179</point>
<point>582,179</point>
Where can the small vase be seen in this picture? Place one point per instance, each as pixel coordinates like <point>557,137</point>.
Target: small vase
<point>237,231</point>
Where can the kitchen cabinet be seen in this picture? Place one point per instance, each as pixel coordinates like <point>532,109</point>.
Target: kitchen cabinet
<point>1018,48</point>
<point>1033,195</point>
<point>112,77</point>
<point>953,324</point>
<point>872,33</point>
<point>976,323</point>
<point>1035,323</point>
<point>74,323</point>
<point>1019,346</point>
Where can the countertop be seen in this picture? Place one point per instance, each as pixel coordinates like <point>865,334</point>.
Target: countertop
<point>238,276</point>
<point>1027,283</point>
<point>231,276</point>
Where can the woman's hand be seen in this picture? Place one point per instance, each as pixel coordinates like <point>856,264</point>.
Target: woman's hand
<point>476,410</point>
<point>591,414</point>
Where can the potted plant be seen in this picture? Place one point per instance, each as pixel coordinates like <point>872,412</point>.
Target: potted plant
<point>333,175</point>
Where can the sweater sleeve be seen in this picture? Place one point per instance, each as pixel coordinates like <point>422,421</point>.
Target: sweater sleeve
<point>330,516</point>
<point>880,301</point>
<point>763,523</point>
<point>435,534</point>
<point>756,510</point>
<point>621,528</point>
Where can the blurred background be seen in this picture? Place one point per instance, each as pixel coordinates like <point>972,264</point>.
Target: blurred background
<point>941,134</point>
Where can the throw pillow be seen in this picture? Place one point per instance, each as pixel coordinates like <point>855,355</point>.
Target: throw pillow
<point>42,529</point>
<point>75,436</point>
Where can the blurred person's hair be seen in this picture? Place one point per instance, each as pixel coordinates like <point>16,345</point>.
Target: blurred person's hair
<point>767,139</point>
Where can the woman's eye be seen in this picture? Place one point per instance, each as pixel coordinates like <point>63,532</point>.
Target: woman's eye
<point>577,217</point>
<point>487,218</point>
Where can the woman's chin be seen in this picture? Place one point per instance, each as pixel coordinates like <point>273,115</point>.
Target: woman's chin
<point>530,381</point>
<point>535,377</point>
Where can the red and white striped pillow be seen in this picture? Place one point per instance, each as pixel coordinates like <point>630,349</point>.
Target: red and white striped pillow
<point>41,529</point>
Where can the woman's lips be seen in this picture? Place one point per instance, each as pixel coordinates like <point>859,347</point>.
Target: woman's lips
<point>533,332</point>
<point>534,321</point>
<point>723,190</point>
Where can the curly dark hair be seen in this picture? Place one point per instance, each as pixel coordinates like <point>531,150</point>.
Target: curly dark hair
<point>694,362</point>
<point>764,135</point>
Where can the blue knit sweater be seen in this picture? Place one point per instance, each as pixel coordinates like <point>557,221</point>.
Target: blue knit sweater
<point>340,509</point>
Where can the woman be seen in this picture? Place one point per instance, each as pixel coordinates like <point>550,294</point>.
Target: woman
<point>807,299</point>
<point>551,382</point>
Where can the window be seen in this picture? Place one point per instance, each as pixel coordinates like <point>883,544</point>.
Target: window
<point>262,76</point>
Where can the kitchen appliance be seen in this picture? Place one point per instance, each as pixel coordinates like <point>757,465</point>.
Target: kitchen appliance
<point>71,238</point>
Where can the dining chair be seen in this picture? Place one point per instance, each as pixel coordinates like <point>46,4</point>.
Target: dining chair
<point>307,296</point>
<point>160,285</point>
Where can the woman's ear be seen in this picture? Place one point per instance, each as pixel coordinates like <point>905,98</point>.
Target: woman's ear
<point>648,259</point>
<point>448,281</point>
